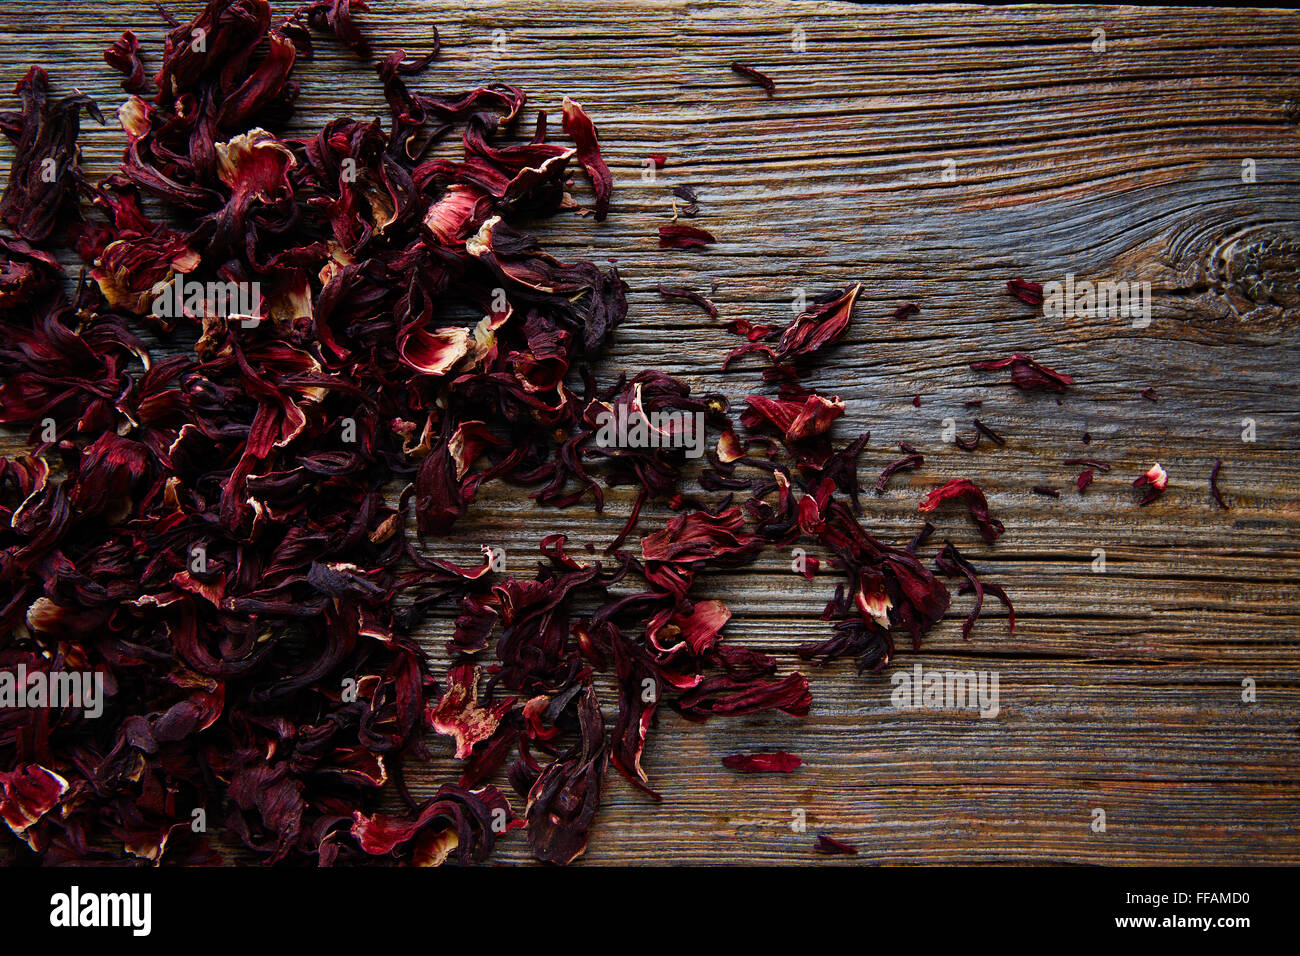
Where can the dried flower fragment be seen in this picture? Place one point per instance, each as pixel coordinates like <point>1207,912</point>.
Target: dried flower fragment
<point>1156,479</point>
<point>689,295</point>
<point>1030,293</point>
<point>775,762</point>
<point>833,847</point>
<point>818,326</point>
<point>749,73</point>
<point>951,563</point>
<point>1214,484</point>
<point>1027,374</point>
<point>967,492</point>
<point>583,133</point>
<point>684,237</point>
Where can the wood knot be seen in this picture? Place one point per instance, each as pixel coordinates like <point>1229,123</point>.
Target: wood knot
<point>1257,272</point>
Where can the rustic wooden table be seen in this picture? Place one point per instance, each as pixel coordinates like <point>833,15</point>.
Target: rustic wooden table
<point>932,153</point>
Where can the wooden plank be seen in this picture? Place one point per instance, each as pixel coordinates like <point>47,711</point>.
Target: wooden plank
<point>1120,690</point>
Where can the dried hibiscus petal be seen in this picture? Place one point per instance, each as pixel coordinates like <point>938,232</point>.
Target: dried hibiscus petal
<point>1156,479</point>
<point>696,537</point>
<point>796,420</point>
<point>716,696</point>
<point>907,462</point>
<point>1030,293</point>
<point>967,492</point>
<point>681,292</point>
<point>583,133</point>
<point>639,690</point>
<point>465,821</point>
<point>825,322</point>
<point>749,73</point>
<point>951,563</point>
<point>775,762</point>
<point>1027,374</point>
<point>27,793</point>
<point>1214,484</point>
<point>821,324</point>
<point>458,715</point>
<point>833,847</point>
<point>124,56</point>
<point>336,17</point>
<point>684,237</point>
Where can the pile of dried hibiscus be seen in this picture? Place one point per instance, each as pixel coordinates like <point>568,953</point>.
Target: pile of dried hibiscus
<point>220,537</point>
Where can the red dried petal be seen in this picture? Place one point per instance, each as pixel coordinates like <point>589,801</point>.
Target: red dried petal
<point>1027,374</point>
<point>749,73</point>
<point>775,762</point>
<point>458,715</point>
<point>1030,293</point>
<point>27,793</point>
<point>684,237</point>
<point>583,133</point>
<point>967,492</point>
<point>832,847</point>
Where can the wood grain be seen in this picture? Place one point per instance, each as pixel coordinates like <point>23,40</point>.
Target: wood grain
<point>1121,690</point>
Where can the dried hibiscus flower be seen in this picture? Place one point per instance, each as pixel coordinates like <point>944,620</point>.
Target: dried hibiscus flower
<point>458,715</point>
<point>230,524</point>
<point>45,174</point>
<point>455,820</point>
<point>563,800</point>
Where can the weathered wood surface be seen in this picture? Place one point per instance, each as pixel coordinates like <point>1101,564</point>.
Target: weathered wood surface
<point>1120,691</point>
